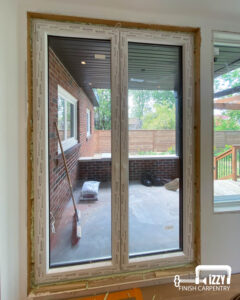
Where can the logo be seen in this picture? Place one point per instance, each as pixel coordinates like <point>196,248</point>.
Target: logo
<point>218,279</point>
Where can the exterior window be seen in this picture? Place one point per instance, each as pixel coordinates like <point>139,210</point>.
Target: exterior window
<point>226,117</point>
<point>156,104</point>
<point>67,119</point>
<point>133,181</point>
<point>88,122</point>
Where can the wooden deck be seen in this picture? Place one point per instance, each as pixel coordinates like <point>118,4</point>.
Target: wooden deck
<point>226,187</point>
<point>226,195</point>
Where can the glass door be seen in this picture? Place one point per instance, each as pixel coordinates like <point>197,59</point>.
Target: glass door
<point>154,148</point>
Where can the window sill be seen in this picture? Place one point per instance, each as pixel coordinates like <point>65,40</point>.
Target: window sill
<point>67,152</point>
<point>67,145</point>
<point>88,137</point>
<point>226,206</point>
<point>131,157</point>
<point>111,283</point>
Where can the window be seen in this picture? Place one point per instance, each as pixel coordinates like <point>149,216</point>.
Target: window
<point>226,117</point>
<point>141,88</point>
<point>67,119</point>
<point>88,122</point>
<point>155,104</point>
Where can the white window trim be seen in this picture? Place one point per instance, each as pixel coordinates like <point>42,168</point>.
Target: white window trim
<point>88,115</point>
<point>186,41</point>
<point>120,261</point>
<point>41,29</point>
<point>67,97</point>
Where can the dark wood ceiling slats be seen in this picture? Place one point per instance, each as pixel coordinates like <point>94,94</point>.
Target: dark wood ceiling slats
<point>156,64</point>
<point>227,60</point>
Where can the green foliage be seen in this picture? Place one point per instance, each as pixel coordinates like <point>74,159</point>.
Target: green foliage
<point>218,151</point>
<point>161,117</point>
<point>102,113</point>
<point>147,153</point>
<point>144,100</point>
<point>164,98</point>
<point>155,109</point>
<point>227,80</point>
<point>140,103</point>
<point>171,150</point>
<point>231,122</point>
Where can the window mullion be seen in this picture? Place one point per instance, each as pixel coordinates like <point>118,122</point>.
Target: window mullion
<point>123,63</point>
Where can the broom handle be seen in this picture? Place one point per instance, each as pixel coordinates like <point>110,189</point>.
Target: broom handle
<point>66,169</point>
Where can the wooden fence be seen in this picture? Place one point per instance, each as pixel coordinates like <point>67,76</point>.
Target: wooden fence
<point>222,138</point>
<point>156,140</point>
<point>139,140</point>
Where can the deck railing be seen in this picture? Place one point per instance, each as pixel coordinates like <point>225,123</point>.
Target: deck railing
<point>227,164</point>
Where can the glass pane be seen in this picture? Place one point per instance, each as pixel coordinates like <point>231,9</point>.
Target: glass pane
<point>82,68</point>
<point>70,120</point>
<point>61,117</point>
<point>226,111</point>
<point>155,148</point>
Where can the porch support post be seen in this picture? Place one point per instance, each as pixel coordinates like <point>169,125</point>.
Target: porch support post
<point>234,163</point>
<point>215,167</point>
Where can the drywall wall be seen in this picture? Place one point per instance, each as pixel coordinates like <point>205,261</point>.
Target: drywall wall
<point>9,197</point>
<point>220,233</point>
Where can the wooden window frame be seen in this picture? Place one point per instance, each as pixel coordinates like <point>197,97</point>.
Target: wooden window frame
<point>88,115</point>
<point>149,275</point>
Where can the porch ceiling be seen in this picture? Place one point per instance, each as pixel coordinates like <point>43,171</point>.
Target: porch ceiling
<point>151,67</point>
<point>227,60</point>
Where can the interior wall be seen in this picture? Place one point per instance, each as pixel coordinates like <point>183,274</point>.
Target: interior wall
<point>220,233</point>
<point>9,145</point>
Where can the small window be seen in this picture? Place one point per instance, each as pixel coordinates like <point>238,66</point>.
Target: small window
<point>67,118</point>
<point>88,122</point>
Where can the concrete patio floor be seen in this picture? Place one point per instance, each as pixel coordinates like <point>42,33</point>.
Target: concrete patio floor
<point>153,225</point>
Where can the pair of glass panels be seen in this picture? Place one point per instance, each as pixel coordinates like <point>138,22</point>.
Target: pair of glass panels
<point>83,68</point>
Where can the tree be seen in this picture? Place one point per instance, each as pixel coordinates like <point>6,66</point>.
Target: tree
<point>227,80</point>
<point>162,117</point>
<point>143,101</point>
<point>140,103</point>
<point>143,105</point>
<point>164,97</point>
<point>229,120</point>
<point>102,113</point>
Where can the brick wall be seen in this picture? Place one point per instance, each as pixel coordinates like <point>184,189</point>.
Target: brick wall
<point>87,143</point>
<point>100,170</point>
<point>59,190</point>
<point>163,168</point>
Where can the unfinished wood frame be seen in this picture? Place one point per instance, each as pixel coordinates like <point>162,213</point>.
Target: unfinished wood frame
<point>150,275</point>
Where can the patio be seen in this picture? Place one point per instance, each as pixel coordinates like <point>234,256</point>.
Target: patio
<point>153,225</point>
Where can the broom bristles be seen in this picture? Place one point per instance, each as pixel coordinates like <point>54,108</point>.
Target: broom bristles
<point>79,230</point>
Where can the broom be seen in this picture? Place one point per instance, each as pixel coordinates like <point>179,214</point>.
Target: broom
<point>77,212</point>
